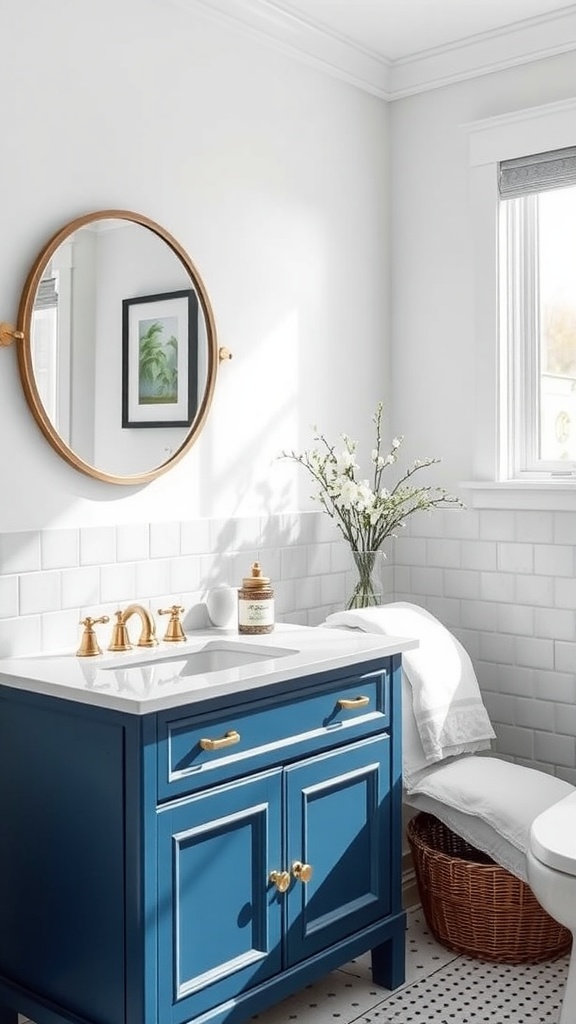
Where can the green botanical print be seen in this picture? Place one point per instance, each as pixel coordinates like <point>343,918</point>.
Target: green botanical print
<point>158,365</point>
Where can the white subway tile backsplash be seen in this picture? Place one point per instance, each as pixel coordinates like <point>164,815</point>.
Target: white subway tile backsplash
<point>479,554</point>
<point>500,708</point>
<point>554,560</point>
<point>334,590</point>
<point>497,525</point>
<point>80,587</point>
<point>61,631</point>
<point>186,574</point>
<point>565,719</point>
<point>39,592</point>
<point>535,590</point>
<point>462,583</point>
<point>427,581</point>
<point>519,680</point>
<point>497,586</point>
<point>8,597</point>
<point>537,527</point>
<point>515,557</point>
<point>445,553</point>
<point>132,542</point>
<point>504,582</point>
<point>534,714</point>
<point>164,540</point>
<point>559,687</point>
<point>555,623</point>
<point>565,593</point>
<point>402,581</point>
<point>535,653</point>
<point>319,558</point>
<point>515,618</point>
<point>307,593</point>
<point>243,534</point>
<point>60,549</point>
<point>565,657</point>
<point>479,615</point>
<point>152,578</point>
<point>557,750</point>
<point>118,583</point>
<point>410,551</point>
<point>498,648</point>
<point>293,563</point>
<point>19,552</point>
<point>515,741</point>
<point>21,635</point>
<point>195,536</point>
<point>565,528</point>
<point>97,545</point>
<point>462,524</point>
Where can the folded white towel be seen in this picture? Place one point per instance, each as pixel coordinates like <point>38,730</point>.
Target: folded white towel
<point>450,715</point>
<point>506,796</point>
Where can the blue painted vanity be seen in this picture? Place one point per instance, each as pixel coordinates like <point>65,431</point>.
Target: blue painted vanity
<point>178,846</point>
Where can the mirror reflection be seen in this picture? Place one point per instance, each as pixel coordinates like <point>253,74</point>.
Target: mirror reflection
<point>118,358</point>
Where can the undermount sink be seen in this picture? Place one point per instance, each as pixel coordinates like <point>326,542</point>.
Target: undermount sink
<point>213,656</point>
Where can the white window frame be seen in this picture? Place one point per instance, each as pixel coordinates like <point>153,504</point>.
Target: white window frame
<point>536,130</point>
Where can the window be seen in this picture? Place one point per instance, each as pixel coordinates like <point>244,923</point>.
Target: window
<point>516,450</point>
<point>537,315</point>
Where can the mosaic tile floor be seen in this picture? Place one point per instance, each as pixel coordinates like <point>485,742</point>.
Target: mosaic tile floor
<point>441,988</point>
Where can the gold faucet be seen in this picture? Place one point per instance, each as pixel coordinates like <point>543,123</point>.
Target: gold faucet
<point>121,641</point>
<point>89,645</point>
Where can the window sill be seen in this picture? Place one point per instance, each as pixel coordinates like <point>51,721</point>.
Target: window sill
<point>541,495</point>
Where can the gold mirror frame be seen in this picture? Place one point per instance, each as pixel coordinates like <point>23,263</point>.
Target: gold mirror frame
<point>23,337</point>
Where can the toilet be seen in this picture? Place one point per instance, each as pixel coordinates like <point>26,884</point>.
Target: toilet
<point>551,865</point>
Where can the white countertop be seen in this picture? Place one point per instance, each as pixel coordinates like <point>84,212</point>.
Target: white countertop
<point>142,681</point>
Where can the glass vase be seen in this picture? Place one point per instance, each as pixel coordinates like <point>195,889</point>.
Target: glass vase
<point>369,579</point>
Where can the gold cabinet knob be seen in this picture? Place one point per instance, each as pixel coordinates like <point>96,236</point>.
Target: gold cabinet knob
<point>351,703</point>
<point>303,872</point>
<point>227,740</point>
<point>281,879</point>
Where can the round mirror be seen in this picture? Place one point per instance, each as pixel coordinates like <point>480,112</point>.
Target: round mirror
<point>118,355</point>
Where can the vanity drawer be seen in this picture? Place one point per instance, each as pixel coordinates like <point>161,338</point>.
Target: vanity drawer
<point>203,750</point>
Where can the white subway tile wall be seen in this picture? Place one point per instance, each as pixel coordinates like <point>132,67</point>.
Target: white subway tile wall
<point>503,581</point>
<point>505,584</point>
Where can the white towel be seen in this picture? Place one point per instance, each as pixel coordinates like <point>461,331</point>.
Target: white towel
<point>450,715</point>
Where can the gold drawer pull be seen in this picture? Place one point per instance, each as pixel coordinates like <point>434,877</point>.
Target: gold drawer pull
<point>228,740</point>
<point>303,872</point>
<point>350,704</point>
<point>281,880</point>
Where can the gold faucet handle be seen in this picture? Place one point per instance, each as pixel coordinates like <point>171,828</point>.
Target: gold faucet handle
<point>120,640</point>
<point>89,644</point>
<point>174,632</point>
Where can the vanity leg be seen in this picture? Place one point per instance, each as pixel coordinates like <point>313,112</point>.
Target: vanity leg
<point>389,960</point>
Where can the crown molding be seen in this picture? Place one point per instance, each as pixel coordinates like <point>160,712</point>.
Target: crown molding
<point>485,53</point>
<point>302,39</point>
<point>275,24</point>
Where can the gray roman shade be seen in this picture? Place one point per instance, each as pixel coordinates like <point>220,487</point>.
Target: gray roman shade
<point>538,172</point>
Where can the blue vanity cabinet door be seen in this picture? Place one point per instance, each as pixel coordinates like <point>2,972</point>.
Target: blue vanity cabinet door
<point>219,917</point>
<point>338,823</point>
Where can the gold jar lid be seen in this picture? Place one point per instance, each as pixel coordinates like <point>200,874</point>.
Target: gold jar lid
<point>256,579</point>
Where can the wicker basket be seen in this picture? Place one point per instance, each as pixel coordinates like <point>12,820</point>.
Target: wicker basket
<point>474,906</point>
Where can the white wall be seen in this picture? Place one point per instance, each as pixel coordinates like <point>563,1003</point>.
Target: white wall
<point>274,179</point>
<point>503,580</point>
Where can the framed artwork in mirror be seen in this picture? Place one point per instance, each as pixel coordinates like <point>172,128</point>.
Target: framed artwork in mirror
<point>160,359</point>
